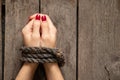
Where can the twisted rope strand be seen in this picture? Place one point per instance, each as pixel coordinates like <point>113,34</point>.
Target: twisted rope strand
<point>42,55</point>
<point>37,55</point>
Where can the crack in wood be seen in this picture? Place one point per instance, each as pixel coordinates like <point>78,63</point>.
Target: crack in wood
<point>107,72</point>
<point>3,37</point>
<point>77,37</point>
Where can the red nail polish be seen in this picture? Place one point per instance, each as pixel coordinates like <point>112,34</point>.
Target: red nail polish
<point>37,17</point>
<point>43,18</point>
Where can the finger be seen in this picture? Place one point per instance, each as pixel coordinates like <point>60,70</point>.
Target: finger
<point>36,25</point>
<point>52,28</point>
<point>33,16</point>
<point>49,21</point>
<point>28,27</point>
<point>44,26</point>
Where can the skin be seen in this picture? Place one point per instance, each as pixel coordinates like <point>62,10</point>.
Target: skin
<point>38,33</point>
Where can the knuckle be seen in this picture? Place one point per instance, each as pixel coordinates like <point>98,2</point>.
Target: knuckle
<point>23,30</point>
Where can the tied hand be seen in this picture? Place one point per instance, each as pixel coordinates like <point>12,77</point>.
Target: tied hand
<point>39,32</point>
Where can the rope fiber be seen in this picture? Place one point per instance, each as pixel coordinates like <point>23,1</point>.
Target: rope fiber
<point>42,55</point>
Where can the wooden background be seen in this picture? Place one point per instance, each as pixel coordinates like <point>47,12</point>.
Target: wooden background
<point>88,33</point>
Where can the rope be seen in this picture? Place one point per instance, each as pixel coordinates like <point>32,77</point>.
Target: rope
<point>42,55</point>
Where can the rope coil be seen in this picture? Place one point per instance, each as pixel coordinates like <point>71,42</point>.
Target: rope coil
<point>42,55</point>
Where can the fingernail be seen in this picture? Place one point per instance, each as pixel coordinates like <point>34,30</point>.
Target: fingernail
<point>37,17</point>
<point>43,18</point>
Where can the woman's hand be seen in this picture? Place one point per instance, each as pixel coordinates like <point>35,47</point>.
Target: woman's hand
<point>48,32</point>
<point>31,36</point>
<point>31,33</point>
<point>39,32</point>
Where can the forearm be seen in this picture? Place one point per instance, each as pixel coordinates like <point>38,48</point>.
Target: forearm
<point>27,71</point>
<point>53,71</point>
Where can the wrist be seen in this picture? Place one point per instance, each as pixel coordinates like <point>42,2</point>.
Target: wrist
<point>50,66</point>
<point>27,71</point>
<point>53,71</point>
<point>32,66</point>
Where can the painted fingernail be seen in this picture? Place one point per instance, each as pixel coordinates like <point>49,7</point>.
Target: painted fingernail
<point>37,17</point>
<point>43,18</point>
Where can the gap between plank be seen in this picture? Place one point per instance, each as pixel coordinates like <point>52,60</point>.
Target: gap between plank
<point>77,36</point>
<point>39,6</point>
<point>3,34</point>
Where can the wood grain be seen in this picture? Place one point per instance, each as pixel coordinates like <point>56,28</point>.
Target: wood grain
<point>63,15</point>
<point>17,13</point>
<point>0,44</point>
<point>99,40</point>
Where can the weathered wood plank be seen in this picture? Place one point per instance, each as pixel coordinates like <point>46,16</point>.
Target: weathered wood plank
<point>17,13</point>
<point>99,40</point>
<point>0,44</point>
<point>63,15</point>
